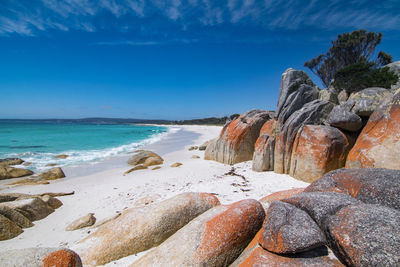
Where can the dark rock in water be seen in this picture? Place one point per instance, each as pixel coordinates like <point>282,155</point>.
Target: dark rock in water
<point>364,102</point>
<point>287,229</point>
<point>10,172</point>
<point>365,235</point>
<point>61,156</point>
<point>378,145</point>
<point>11,161</point>
<point>373,186</point>
<point>8,228</point>
<point>313,113</point>
<point>344,119</point>
<point>236,141</point>
<point>320,205</point>
<point>290,82</point>
<point>296,100</point>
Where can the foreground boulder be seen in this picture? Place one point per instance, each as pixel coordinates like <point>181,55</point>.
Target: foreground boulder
<point>373,186</point>
<point>10,172</point>
<point>27,257</point>
<point>15,216</point>
<point>365,235</point>
<point>215,238</point>
<point>236,141</point>
<point>142,156</point>
<point>8,228</point>
<point>378,145</point>
<point>139,229</point>
<point>263,158</point>
<point>52,174</point>
<point>364,102</point>
<point>62,258</point>
<point>313,113</point>
<point>33,209</point>
<point>344,119</point>
<point>317,150</point>
<point>287,229</point>
<point>11,161</point>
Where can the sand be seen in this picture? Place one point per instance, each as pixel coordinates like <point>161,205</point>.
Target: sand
<point>107,191</point>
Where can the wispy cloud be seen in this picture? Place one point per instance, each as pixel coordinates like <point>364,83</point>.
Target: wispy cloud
<point>146,43</point>
<point>33,17</point>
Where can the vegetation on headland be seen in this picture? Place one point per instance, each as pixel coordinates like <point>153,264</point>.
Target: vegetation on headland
<point>348,64</point>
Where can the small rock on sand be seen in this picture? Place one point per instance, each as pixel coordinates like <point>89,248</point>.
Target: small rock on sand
<point>177,164</point>
<point>195,157</point>
<point>138,167</point>
<point>85,221</point>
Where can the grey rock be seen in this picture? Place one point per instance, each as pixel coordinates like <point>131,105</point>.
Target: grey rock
<point>342,97</point>
<point>8,228</point>
<point>313,113</point>
<point>329,95</point>
<point>290,82</point>
<point>364,102</point>
<point>34,208</point>
<point>320,205</point>
<point>237,138</point>
<point>15,216</point>
<point>296,100</point>
<point>341,118</point>
<point>27,257</point>
<point>373,186</point>
<point>365,235</point>
<point>11,161</point>
<point>395,67</point>
<point>287,229</point>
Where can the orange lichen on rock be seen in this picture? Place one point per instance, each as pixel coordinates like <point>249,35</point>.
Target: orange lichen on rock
<point>281,195</point>
<point>62,258</point>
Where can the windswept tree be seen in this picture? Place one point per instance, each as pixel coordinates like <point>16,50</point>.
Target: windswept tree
<point>348,49</point>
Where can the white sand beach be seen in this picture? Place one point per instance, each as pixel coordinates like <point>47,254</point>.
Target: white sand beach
<point>107,191</point>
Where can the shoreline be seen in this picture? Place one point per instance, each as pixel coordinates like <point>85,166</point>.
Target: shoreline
<point>108,192</point>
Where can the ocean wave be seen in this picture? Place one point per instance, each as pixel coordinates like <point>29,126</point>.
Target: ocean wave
<point>75,158</point>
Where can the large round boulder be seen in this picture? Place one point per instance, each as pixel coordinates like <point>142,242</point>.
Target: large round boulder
<point>341,118</point>
<point>145,157</point>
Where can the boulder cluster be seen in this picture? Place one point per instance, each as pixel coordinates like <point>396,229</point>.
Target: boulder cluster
<point>315,131</point>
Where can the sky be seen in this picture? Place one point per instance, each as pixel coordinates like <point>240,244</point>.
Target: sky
<point>168,59</point>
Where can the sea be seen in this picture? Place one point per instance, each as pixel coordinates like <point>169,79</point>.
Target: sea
<point>39,142</point>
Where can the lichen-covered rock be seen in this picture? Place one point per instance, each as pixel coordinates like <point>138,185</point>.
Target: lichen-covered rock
<point>27,257</point>
<point>11,172</point>
<point>344,119</point>
<point>313,113</point>
<point>320,205</point>
<point>85,221</point>
<point>215,238</point>
<point>62,258</point>
<point>16,217</point>
<point>287,229</point>
<point>373,186</point>
<point>236,141</point>
<point>263,157</point>
<point>139,229</point>
<point>280,195</point>
<point>259,257</point>
<point>378,145</point>
<point>290,82</point>
<point>52,174</point>
<point>317,150</point>
<point>142,155</point>
<point>8,228</point>
<point>395,67</point>
<point>364,102</point>
<point>329,95</point>
<point>34,208</point>
<point>11,161</point>
<point>365,235</point>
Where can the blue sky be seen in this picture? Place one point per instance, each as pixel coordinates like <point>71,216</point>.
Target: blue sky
<point>176,59</point>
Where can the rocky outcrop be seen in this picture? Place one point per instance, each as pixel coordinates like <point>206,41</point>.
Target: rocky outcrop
<point>280,195</point>
<point>290,82</point>
<point>341,118</point>
<point>364,102</point>
<point>11,161</point>
<point>142,155</point>
<point>215,238</point>
<point>287,229</point>
<point>313,113</point>
<point>395,68</point>
<point>317,150</point>
<point>263,157</point>
<point>10,172</point>
<point>139,229</point>
<point>373,186</point>
<point>15,216</point>
<point>62,258</point>
<point>378,145</point>
<point>85,221</point>
<point>236,141</point>
<point>365,235</point>
<point>33,209</point>
<point>329,95</point>
<point>52,174</point>
<point>8,228</point>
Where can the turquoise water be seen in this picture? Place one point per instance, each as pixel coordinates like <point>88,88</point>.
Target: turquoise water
<point>39,142</point>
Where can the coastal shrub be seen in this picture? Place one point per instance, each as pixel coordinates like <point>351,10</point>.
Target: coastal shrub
<point>362,75</point>
<point>349,49</point>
